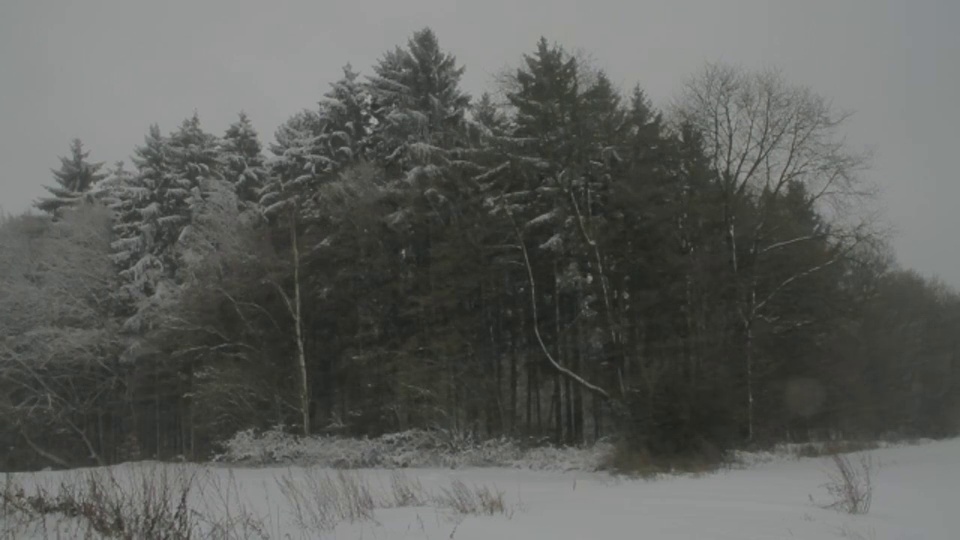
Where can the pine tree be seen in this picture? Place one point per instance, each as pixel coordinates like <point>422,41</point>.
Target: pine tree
<point>154,206</point>
<point>298,166</point>
<point>419,109</point>
<point>547,106</point>
<point>195,162</point>
<point>488,116</point>
<point>75,178</point>
<point>139,204</point>
<point>346,118</point>
<point>242,160</point>
<point>193,155</point>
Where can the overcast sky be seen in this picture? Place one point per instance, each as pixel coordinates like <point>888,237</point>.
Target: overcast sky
<point>103,70</point>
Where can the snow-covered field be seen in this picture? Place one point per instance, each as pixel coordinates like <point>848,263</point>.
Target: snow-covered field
<point>916,496</point>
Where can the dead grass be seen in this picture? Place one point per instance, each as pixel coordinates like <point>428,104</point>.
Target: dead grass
<point>319,501</point>
<point>467,500</point>
<point>407,492</point>
<point>165,502</point>
<point>152,506</point>
<point>159,502</point>
<point>227,515</point>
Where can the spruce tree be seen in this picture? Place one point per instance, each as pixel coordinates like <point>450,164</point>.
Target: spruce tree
<point>242,160</point>
<point>75,178</point>
<point>140,210</point>
<point>419,109</point>
<point>346,119</point>
<point>547,107</point>
<point>298,166</point>
<point>196,175</point>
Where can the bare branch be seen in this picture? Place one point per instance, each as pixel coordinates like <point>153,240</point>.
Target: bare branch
<point>536,324</point>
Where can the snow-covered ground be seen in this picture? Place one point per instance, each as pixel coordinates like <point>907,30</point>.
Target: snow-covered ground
<point>916,496</point>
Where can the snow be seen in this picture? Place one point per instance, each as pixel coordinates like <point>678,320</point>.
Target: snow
<point>413,448</point>
<point>776,497</point>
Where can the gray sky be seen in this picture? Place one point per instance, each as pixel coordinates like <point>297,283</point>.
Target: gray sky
<point>103,70</point>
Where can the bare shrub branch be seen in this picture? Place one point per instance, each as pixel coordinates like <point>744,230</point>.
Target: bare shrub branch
<point>850,483</point>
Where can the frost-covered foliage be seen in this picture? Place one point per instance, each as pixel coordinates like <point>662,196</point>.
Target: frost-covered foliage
<point>298,163</point>
<point>414,449</point>
<point>153,208</point>
<point>242,160</point>
<point>419,109</point>
<point>56,330</point>
<point>75,178</point>
<point>345,110</point>
<point>313,146</point>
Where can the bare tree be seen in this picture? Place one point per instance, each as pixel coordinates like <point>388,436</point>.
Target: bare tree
<point>56,330</point>
<point>764,136</point>
<point>214,320</point>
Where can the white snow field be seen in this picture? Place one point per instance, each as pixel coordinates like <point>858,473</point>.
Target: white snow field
<point>916,496</point>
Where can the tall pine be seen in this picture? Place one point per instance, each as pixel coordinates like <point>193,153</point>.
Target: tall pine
<point>242,160</point>
<point>419,109</point>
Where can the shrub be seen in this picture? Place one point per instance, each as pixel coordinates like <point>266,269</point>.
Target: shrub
<point>850,484</point>
<point>413,448</point>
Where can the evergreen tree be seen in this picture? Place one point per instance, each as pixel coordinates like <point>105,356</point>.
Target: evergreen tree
<point>298,166</point>
<point>488,115</point>
<point>242,160</point>
<point>547,105</point>
<point>154,206</point>
<point>347,121</point>
<point>192,158</point>
<point>419,109</point>
<point>75,178</point>
<point>140,208</point>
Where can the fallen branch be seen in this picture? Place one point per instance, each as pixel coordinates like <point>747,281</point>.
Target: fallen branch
<point>596,390</point>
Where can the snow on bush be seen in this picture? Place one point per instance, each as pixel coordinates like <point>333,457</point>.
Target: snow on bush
<point>414,448</point>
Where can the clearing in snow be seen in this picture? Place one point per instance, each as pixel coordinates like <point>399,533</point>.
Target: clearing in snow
<point>777,497</point>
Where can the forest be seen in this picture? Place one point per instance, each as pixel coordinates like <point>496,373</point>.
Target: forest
<point>556,261</point>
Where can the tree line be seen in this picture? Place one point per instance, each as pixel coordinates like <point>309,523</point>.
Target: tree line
<point>557,261</point>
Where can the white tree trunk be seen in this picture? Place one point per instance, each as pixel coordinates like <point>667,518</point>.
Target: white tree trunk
<point>297,313</point>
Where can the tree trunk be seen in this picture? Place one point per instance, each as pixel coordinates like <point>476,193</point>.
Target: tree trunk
<point>517,338</point>
<point>558,401</point>
<point>529,415</point>
<point>556,406</point>
<point>514,375</point>
<point>156,408</point>
<point>577,391</point>
<point>537,399</point>
<point>748,360</point>
<point>298,323</point>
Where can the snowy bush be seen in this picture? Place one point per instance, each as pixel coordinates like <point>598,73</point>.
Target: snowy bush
<point>413,448</point>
